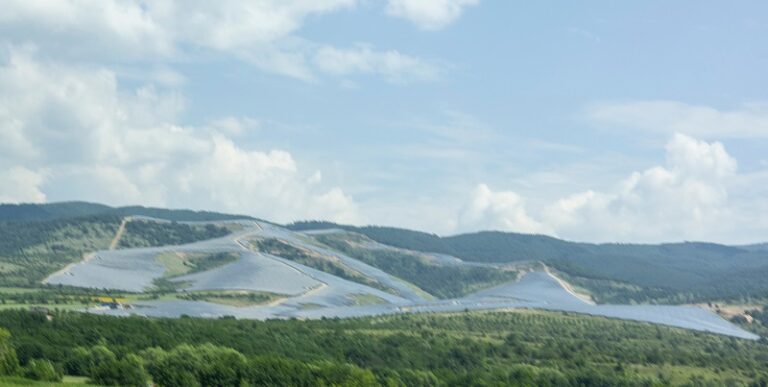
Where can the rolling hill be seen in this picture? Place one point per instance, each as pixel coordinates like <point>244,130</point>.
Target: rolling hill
<point>230,265</point>
<point>620,273</point>
<point>472,303</point>
<point>665,273</point>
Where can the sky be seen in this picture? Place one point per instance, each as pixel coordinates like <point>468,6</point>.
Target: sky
<point>632,121</point>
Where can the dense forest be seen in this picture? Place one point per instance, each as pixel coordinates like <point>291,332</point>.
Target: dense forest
<point>524,348</point>
<point>613,273</point>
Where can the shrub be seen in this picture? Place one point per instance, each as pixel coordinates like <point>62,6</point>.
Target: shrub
<point>41,369</point>
<point>9,363</point>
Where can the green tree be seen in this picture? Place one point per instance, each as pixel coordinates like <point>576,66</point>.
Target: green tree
<point>42,369</point>
<point>128,371</point>
<point>9,363</point>
<point>78,362</point>
<point>178,367</point>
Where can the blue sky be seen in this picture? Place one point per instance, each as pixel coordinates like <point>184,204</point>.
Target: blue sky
<point>600,121</point>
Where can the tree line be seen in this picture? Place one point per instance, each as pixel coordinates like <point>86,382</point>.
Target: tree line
<point>459,349</point>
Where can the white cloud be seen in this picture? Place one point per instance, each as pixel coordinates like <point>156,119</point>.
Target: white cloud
<point>21,185</point>
<point>396,67</point>
<point>503,211</point>
<point>361,59</point>
<point>262,32</point>
<point>101,183</point>
<point>429,14</point>
<point>695,195</point>
<point>236,126</point>
<point>685,199</point>
<point>96,141</point>
<point>667,117</point>
<point>139,28</point>
<point>687,155</point>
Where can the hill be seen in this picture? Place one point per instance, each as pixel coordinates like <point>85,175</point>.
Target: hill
<point>38,239</point>
<point>359,306</point>
<point>666,273</point>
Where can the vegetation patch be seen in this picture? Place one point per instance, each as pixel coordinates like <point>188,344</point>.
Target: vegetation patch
<point>7,268</point>
<point>147,233</point>
<point>755,320</point>
<point>310,305</point>
<point>367,299</point>
<point>317,261</point>
<point>439,281</point>
<point>236,298</point>
<point>178,263</point>
<point>30,251</point>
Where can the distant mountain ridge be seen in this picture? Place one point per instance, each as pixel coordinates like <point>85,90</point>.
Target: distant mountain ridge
<point>756,247</point>
<point>76,209</point>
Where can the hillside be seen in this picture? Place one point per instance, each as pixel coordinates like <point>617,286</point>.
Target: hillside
<point>42,238</point>
<point>255,269</point>
<point>32,250</point>
<point>667,273</point>
<point>352,300</point>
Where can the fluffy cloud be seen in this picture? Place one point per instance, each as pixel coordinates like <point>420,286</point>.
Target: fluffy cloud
<point>262,32</point>
<point>429,14</point>
<point>687,198</point>
<point>160,27</point>
<point>97,141</point>
<point>19,184</point>
<point>747,121</point>
<point>497,211</point>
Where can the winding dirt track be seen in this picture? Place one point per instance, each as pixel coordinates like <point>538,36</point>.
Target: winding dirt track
<point>119,234</point>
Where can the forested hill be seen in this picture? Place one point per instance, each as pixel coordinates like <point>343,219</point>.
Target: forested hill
<point>756,247</point>
<point>498,247</point>
<point>68,210</point>
<point>620,273</point>
<point>673,272</point>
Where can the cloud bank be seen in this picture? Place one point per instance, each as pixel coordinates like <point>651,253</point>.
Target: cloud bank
<point>73,132</point>
<point>264,33</point>
<point>686,198</point>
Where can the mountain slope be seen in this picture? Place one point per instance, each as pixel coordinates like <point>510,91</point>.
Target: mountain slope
<point>667,273</point>
<point>617,273</point>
